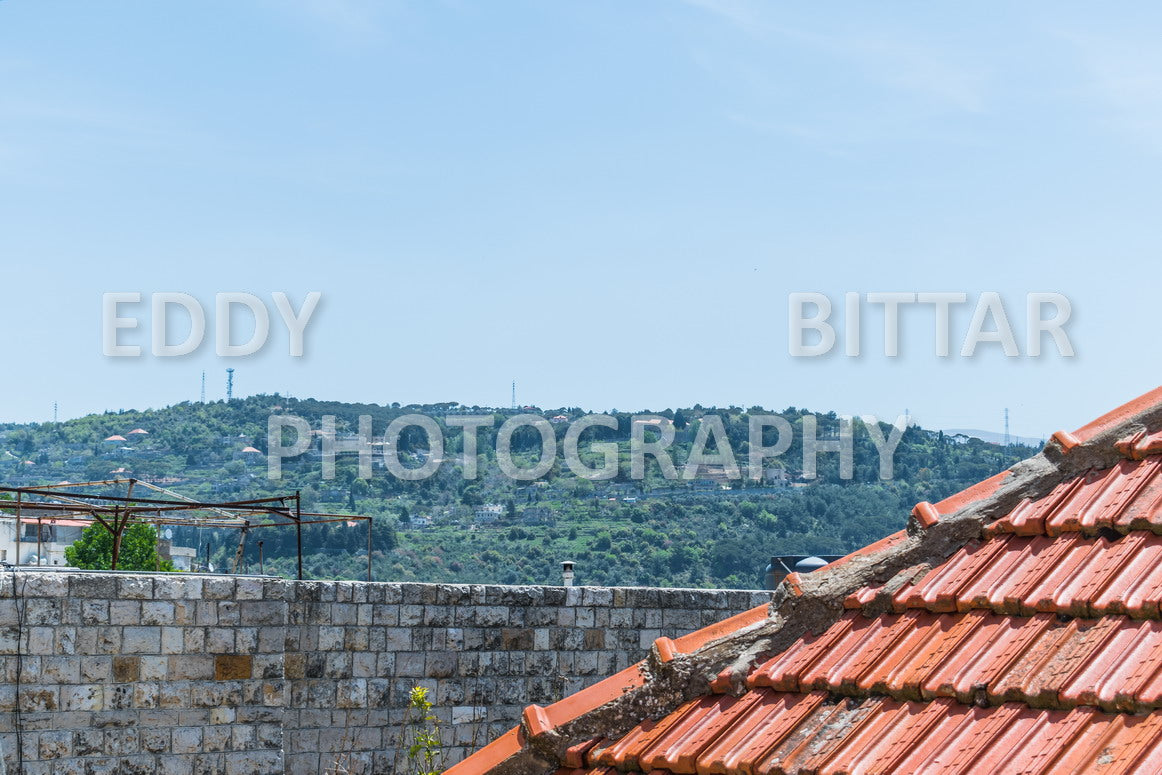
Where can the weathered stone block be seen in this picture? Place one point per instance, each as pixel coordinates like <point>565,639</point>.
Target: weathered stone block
<point>232,667</point>
<point>126,669</point>
<point>219,640</point>
<point>191,667</point>
<point>82,697</point>
<point>135,587</point>
<point>141,640</point>
<point>218,588</point>
<point>157,612</point>
<point>187,740</point>
<point>257,613</point>
<point>93,585</point>
<point>248,589</point>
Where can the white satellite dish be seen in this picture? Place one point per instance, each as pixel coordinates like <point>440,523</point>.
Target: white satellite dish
<point>168,534</point>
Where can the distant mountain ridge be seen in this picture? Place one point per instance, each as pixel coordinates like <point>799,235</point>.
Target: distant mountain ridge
<point>992,437</point>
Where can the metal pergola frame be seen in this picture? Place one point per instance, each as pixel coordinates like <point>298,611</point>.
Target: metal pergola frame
<point>116,512</point>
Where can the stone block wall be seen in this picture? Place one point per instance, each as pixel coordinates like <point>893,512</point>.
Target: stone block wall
<point>216,675</point>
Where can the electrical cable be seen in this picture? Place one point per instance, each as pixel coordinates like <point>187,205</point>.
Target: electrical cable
<point>18,721</point>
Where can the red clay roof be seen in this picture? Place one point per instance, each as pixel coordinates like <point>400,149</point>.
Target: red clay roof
<point>1033,645</point>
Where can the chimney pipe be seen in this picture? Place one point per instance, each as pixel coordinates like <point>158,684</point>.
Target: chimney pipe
<point>567,573</point>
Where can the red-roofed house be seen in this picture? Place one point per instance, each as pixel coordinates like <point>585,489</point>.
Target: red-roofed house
<point>1014,627</point>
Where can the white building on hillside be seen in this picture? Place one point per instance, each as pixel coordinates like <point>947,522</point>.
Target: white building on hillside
<point>489,512</point>
<point>55,536</point>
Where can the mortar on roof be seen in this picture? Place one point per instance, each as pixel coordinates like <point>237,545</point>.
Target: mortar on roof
<point>812,602</point>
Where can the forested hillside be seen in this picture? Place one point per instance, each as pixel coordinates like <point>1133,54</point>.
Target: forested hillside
<point>708,532</point>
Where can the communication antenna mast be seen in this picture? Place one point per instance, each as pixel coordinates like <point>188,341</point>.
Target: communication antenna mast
<point>514,394</point>
<point>203,399</point>
<point>54,412</point>
<point>1006,428</point>
<point>229,384</point>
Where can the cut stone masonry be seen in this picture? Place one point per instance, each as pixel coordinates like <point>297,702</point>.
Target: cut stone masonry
<point>217,675</point>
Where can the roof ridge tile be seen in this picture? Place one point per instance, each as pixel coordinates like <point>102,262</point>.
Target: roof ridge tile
<point>967,630</point>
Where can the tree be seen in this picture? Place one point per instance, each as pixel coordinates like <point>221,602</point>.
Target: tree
<point>94,549</point>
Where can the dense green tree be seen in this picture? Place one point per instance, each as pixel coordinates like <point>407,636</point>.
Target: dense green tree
<point>138,551</point>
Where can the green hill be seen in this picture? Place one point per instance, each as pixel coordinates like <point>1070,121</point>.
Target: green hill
<point>709,532</point>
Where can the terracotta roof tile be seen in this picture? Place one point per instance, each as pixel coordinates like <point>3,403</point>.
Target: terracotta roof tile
<point>800,734</point>
<point>1031,644</point>
<point>1125,497</point>
<point>576,755</point>
<point>1122,414</point>
<point>768,719</point>
<point>1072,575</point>
<point>1110,662</point>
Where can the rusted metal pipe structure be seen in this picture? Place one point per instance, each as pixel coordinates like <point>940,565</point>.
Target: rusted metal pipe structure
<point>115,513</point>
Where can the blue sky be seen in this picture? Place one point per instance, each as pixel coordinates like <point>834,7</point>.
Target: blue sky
<point>606,201</point>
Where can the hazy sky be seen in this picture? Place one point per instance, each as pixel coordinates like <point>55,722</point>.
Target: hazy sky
<point>606,201</point>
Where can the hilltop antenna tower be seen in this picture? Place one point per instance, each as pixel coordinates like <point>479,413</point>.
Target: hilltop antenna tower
<point>514,394</point>
<point>203,398</point>
<point>1006,428</point>
<point>229,384</point>
<point>54,412</point>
